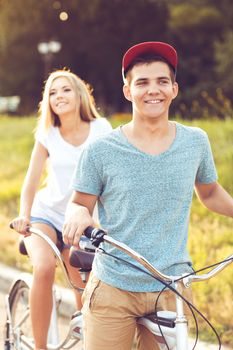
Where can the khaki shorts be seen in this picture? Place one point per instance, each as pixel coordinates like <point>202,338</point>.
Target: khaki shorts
<point>110,316</point>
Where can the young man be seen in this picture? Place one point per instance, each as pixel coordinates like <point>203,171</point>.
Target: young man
<point>143,175</point>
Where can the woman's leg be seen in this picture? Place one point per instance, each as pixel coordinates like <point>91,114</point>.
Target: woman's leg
<point>74,276</point>
<point>44,263</point>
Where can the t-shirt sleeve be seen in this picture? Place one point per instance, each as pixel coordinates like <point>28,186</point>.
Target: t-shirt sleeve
<point>87,177</point>
<point>103,125</point>
<point>108,126</point>
<point>42,138</point>
<point>207,171</point>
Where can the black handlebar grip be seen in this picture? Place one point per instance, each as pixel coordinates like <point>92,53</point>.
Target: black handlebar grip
<point>12,227</point>
<point>96,235</point>
<point>88,231</point>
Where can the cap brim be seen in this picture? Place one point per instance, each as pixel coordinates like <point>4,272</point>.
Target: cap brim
<point>161,49</point>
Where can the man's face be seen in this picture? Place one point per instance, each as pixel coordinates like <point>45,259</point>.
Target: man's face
<point>150,89</point>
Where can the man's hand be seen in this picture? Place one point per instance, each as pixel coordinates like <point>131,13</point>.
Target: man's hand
<point>77,220</point>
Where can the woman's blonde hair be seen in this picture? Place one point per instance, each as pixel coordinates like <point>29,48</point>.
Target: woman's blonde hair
<point>87,111</point>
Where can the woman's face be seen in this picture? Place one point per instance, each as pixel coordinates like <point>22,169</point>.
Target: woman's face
<point>62,97</point>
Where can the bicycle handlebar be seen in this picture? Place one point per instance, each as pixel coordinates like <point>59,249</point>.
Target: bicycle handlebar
<point>56,251</point>
<point>99,235</point>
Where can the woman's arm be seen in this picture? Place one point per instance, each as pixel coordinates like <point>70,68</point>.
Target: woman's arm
<point>215,198</point>
<point>30,186</point>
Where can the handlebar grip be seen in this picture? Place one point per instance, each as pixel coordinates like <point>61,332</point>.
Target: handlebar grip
<point>96,235</point>
<point>12,227</point>
<point>88,231</point>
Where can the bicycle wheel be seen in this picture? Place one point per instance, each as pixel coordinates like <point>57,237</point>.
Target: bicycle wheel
<point>18,334</point>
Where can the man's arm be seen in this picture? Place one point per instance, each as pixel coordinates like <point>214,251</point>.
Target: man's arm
<point>78,217</point>
<point>215,198</point>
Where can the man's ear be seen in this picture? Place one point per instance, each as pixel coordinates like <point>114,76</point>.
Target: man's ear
<point>175,90</point>
<point>127,93</point>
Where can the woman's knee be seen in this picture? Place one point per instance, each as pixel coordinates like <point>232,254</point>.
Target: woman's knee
<point>44,271</point>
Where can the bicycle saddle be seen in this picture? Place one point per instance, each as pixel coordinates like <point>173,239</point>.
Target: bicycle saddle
<point>81,259</point>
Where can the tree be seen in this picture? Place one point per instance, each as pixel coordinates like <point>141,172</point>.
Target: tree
<point>93,40</point>
<point>196,27</point>
<point>23,24</point>
<point>223,56</point>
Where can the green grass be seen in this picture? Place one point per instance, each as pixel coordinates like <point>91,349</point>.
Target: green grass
<point>16,145</point>
<point>210,235</point>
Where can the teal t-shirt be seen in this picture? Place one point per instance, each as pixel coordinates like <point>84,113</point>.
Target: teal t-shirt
<point>144,201</point>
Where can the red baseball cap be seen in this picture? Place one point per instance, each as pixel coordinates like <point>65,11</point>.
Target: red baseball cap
<point>161,49</point>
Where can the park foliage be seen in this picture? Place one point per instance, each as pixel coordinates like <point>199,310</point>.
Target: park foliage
<point>98,32</point>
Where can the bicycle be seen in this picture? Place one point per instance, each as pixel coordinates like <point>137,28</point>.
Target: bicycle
<point>170,328</point>
<point>18,334</point>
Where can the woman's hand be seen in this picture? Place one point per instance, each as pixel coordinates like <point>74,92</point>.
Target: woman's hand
<point>21,225</point>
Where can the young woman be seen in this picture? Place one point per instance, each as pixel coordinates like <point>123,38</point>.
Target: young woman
<point>68,122</point>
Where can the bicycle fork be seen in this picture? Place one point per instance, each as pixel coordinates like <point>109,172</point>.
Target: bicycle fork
<point>9,333</point>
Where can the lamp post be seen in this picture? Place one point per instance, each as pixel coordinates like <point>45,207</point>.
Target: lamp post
<point>47,51</point>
